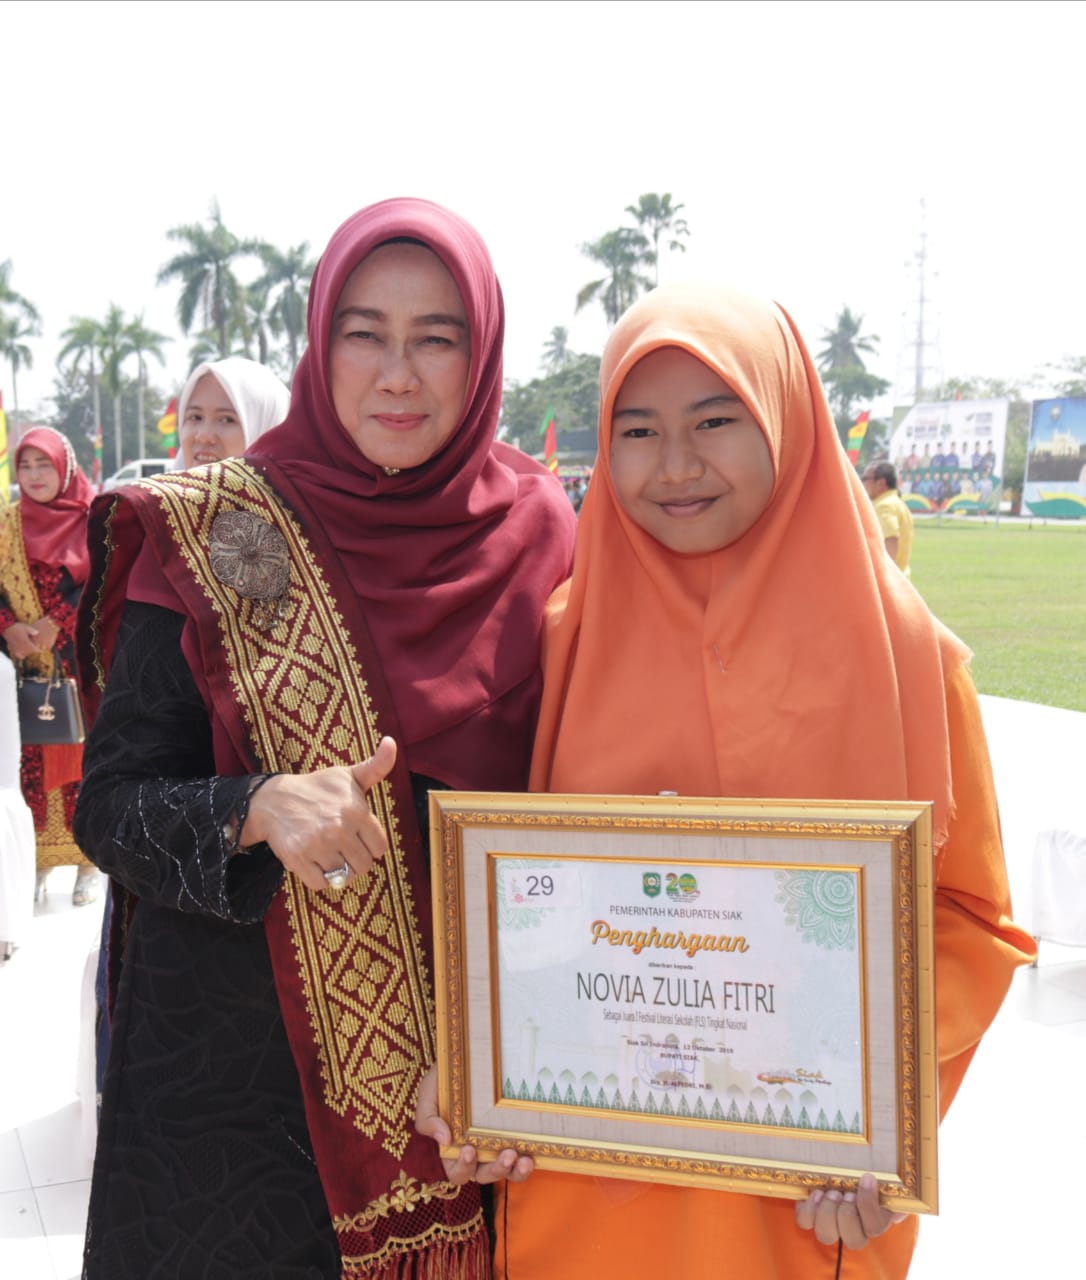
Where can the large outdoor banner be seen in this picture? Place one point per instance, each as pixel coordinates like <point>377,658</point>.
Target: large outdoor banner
<point>949,455</point>
<point>1055,483</point>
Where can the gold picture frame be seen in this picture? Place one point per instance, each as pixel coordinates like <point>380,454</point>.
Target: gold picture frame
<point>835,904</point>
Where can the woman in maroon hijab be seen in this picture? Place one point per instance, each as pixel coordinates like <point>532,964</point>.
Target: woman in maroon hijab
<point>289,650</point>
<point>43,565</point>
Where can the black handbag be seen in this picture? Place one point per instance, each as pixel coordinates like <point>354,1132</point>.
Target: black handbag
<point>50,708</point>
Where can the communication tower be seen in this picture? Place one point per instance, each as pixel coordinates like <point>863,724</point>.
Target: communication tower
<point>920,362</point>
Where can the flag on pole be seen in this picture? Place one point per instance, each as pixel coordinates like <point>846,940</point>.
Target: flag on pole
<point>856,435</point>
<point>5,462</point>
<point>167,428</point>
<point>549,432</point>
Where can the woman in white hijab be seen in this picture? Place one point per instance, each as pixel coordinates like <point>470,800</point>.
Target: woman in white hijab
<point>224,406</point>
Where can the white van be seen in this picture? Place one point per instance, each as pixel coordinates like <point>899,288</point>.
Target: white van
<point>133,471</point>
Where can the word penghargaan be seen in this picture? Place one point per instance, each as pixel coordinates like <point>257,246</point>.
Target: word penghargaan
<point>678,940</point>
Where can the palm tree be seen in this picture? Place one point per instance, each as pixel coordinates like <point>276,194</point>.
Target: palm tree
<point>556,353</point>
<point>206,271</point>
<point>13,329</point>
<point>657,215</point>
<point>13,301</point>
<point>82,343</point>
<point>19,319</point>
<point>621,252</point>
<point>143,341</point>
<point>115,348</point>
<point>844,342</point>
<point>260,322</point>
<point>844,374</point>
<point>204,350</point>
<point>286,280</point>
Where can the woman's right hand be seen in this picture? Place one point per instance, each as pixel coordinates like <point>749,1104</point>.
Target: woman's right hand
<point>316,822</point>
<point>507,1166</point>
<point>22,640</point>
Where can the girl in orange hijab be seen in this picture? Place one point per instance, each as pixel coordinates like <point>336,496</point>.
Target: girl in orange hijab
<point>734,627</point>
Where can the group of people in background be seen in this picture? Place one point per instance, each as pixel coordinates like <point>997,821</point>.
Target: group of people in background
<point>224,406</point>
<point>286,645</point>
<point>576,486</point>
<point>948,472</point>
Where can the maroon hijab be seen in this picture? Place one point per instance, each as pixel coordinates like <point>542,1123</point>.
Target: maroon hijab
<point>452,560</point>
<point>55,533</point>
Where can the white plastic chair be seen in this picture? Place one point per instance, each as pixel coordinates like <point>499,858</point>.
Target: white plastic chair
<point>1059,887</point>
<point>16,825</point>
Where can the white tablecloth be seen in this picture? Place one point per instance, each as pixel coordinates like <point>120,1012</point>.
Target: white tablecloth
<point>1059,887</point>
<point>16,824</point>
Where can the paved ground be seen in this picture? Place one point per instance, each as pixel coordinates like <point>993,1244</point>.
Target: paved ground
<point>1009,1150</point>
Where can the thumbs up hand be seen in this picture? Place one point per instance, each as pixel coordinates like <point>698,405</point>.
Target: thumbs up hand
<point>320,824</point>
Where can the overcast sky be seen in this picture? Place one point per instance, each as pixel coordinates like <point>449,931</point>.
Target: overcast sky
<point>801,138</point>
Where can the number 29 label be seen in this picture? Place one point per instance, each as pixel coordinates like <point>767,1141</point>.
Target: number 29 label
<point>546,886</point>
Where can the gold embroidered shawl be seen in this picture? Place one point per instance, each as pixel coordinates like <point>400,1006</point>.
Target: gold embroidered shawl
<point>295,682</point>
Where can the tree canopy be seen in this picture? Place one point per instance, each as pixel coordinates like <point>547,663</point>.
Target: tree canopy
<point>844,342</point>
<point>571,390</point>
<point>627,251</point>
<point>621,253</point>
<point>285,282</point>
<point>843,372</point>
<point>14,330</point>
<point>19,320</point>
<point>1072,376</point>
<point>657,216</point>
<point>240,295</point>
<point>206,269</point>
<point>12,301</point>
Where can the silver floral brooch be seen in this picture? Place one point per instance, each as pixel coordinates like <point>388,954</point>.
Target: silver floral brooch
<point>249,554</point>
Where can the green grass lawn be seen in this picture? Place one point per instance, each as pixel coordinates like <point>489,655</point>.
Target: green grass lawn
<point>1017,596</point>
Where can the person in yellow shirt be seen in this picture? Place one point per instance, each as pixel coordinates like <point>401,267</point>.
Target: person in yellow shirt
<point>895,518</point>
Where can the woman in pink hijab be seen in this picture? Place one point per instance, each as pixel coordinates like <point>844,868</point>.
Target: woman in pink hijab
<point>43,566</point>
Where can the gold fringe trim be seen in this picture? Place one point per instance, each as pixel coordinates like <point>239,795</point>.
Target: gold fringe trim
<point>55,846</point>
<point>441,1253</point>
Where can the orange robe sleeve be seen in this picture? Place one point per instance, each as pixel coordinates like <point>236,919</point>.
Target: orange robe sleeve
<point>977,944</point>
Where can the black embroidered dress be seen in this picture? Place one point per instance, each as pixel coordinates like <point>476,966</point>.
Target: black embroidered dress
<point>204,1169</point>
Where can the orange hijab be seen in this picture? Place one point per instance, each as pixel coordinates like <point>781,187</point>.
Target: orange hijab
<point>796,663</point>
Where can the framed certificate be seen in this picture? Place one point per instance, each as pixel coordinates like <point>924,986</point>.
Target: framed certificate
<point>717,993</point>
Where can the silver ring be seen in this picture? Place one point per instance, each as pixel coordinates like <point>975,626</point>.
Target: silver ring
<point>337,878</point>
